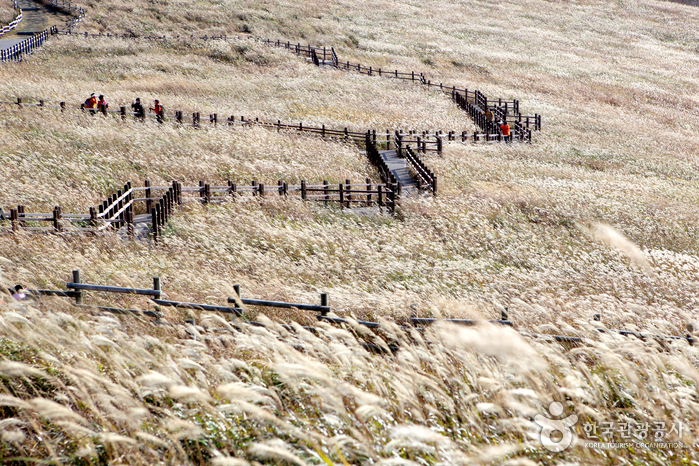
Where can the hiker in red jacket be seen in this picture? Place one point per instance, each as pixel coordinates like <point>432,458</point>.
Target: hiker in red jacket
<point>102,105</point>
<point>159,111</point>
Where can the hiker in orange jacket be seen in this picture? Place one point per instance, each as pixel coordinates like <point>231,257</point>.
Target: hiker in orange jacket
<point>91,103</point>
<point>505,129</point>
<point>159,111</point>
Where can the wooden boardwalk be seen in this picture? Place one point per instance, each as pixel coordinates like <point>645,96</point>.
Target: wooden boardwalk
<point>399,168</point>
<point>36,17</point>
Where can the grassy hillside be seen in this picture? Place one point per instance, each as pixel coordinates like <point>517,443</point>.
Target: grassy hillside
<point>597,215</point>
<point>7,12</point>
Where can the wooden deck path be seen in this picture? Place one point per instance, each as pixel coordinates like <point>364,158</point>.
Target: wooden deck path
<point>399,168</point>
<point>141,227</point>
<point>36,17</point>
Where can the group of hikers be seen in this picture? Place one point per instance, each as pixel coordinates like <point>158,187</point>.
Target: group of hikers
<point>94,105</point>
<point>504,127</point>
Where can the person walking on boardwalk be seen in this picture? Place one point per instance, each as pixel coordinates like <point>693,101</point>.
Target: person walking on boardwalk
<point>159,111</point>
<point>138,110</point>
<point>91,103</point>
<point>102,105</point>
<point>505,130</point>
<point>488,120</point>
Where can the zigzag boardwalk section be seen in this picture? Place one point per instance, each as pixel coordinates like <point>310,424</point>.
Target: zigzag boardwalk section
<point>399,168</point>
<point>119,211</point>
<point>473,102</point>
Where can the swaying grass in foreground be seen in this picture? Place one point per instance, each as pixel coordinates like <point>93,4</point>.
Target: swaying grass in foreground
<point>91,389</point>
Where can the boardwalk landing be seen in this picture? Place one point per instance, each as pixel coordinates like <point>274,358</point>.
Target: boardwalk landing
<point>141,227</point>
<point>7,43</point>
<point>399,168</point>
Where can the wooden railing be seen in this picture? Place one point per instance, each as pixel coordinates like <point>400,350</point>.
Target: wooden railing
<point>17,51</point>
<point>77,290</point>
<point>504,110</point>
<point>347,194</point>
<point>426,180</point>
<point>119,209</point>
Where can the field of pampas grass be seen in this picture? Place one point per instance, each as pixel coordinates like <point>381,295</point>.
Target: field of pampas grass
<point>85,388</point>
<point>588,230</point>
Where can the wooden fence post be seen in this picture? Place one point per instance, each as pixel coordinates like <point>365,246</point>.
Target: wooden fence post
<point>325,190</point>
<point>303,189</point>
<point>57,218</point>
<point>120,204</point>
<point>13,218</point>
<point>170,201</point>
<point>176,192</point>
<point>63,106</point>
<point>129,221</point>
<point>342,195</point>
<point>21,217</point>
<point>160,205</point>
<point>261,189</point>
<point>149,202</point>
<point>324,302</point>
<point>165,217</point>
<point>78,293</point>
<point>368,196</point>
<point>155,220</point>
<point>348,185</point>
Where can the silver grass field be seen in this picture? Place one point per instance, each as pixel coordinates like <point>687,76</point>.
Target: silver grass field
<point>597,216</point>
